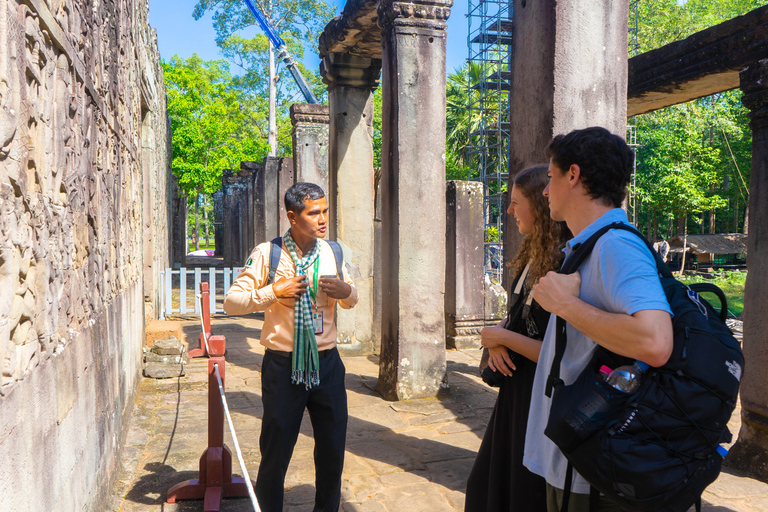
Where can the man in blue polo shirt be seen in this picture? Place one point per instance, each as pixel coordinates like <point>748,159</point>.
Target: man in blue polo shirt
<point>614,300</point>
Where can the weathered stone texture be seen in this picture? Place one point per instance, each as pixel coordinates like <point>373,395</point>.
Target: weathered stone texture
<point>464,248</point>
<point>351,81</point>
<point>413,201</point>
<point>568,65</point>
<point>750,453</point>
<point>83,214</point>
<point>310,143</point>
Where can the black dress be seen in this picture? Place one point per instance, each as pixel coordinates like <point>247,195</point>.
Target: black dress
<point>499,481</point>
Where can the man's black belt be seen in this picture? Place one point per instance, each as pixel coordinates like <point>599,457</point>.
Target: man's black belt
<point>280,353</point>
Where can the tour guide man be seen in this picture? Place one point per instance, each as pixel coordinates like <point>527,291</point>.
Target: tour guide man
<point>301,366</point>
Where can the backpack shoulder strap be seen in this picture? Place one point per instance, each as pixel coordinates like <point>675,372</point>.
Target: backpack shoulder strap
<point>338,254</point>
<point>570,265</point>
<point>274,257</point>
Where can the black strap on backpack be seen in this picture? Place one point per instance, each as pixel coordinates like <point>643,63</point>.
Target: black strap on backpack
<point>277,248</point>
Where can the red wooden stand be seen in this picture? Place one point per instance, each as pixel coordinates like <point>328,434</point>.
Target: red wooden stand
<point>205,306</point>
<point>215,480</point>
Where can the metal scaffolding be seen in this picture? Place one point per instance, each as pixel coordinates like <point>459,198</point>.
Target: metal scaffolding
<point>489,39</point>
<point>633,49</point>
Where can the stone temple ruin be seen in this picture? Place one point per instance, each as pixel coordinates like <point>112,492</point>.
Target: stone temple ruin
<point>88,210</point>
<point>84,187</point>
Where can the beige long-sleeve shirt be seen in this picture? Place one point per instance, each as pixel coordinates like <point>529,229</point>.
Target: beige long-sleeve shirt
<point>250,292</point>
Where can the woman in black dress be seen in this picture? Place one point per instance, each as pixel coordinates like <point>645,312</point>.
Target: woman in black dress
<point>499,481</point>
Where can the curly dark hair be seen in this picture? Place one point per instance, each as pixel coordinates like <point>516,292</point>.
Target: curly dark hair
<point>605,161</point>
<point>544,247</point>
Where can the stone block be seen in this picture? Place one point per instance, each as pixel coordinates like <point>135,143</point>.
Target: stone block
<point>168,346</point>
<point>152,357</point>
<point>159,329</point>
<point>163,370</point>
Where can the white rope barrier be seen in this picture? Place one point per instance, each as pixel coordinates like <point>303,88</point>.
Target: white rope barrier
<point>237,445</point>
<point>246,477</point>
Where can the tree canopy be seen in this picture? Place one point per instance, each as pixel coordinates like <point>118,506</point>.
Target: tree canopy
<point>692,158</point>
<point>299,23</point>
<point>210,121</point>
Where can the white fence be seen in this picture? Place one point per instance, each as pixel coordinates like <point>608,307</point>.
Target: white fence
<point>191,278</point>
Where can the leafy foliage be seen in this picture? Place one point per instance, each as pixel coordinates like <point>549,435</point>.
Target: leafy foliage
<point>210,121</point>
<point>299,23</point>
<point>692,158</point>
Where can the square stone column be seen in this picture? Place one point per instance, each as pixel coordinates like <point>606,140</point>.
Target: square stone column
<point>464,297</point>
<point>351,81</point>
<point>413,198</point>
<point>750,453</point>
<point>218,222</point>
<point>310,143</point>
<point>235,218</point>
<point>276,178</point>
<point>569,71</point>
<point>253,171</point>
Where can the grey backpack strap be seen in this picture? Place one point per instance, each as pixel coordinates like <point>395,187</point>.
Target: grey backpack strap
<point>274,257</point>
<point>338,254</point>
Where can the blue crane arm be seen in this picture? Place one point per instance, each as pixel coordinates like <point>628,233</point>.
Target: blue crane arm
<point>282,52</point>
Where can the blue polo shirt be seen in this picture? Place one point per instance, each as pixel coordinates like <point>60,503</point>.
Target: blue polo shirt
<point>619,276</point>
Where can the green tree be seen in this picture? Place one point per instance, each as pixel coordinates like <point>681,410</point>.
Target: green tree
<point>693,158</point>
<point>299,23</point>
<point>460,119</point>
<point>663,21</point>
<point>209,121</point>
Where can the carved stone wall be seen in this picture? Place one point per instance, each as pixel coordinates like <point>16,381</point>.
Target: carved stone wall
<point>84,147</point>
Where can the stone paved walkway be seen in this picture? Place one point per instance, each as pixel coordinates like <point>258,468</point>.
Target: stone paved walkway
<point>401,456</point>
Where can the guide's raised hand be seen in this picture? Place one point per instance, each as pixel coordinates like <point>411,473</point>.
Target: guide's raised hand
<point>290,287</point>
<point>335,288</point>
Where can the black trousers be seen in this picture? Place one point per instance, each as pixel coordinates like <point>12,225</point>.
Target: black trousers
<point>284,405</point>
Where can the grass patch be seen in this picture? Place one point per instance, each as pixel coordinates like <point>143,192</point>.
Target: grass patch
<point>731,282</point>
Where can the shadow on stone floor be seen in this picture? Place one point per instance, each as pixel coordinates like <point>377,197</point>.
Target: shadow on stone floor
<point>151,488</point>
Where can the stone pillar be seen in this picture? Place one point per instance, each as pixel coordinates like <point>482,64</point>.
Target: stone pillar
<point>351,81</point>
<point>236,218</point>
<point>276,178</point>
<point>464,297</point>
<point>750,453</point>
<point>251,171</point>
<point>569,70</point>
<point>413,201</point>
<point>310,143</point>
<point>218,222</point>
<point>179,240</point>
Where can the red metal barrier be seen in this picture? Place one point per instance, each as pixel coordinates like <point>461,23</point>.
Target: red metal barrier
<point>205,306</point>
<point>215,479</point>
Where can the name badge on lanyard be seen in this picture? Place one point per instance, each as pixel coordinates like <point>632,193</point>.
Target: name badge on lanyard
<point>317,321</point>
<point>317,315</point>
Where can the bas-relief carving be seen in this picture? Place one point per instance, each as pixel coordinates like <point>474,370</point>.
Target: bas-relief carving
<point>70,189</point>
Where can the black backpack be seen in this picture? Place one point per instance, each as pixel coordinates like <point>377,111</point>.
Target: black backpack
<point>656,449</point>
<point>277,248</point>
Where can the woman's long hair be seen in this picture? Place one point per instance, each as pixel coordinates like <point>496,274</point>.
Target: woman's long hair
<point>544,247</point>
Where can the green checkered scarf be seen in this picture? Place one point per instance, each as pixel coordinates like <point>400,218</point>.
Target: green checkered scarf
<point>305,361</point>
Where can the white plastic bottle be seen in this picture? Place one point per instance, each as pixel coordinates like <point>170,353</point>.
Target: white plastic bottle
<point>627,378</point>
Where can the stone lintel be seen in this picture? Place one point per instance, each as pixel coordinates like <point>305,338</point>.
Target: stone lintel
<point>704,63</point>
<point>349,70</point>
<point>426,14</point>
<point>309,113</point>
<point>354,31</point>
